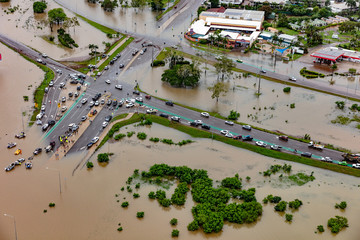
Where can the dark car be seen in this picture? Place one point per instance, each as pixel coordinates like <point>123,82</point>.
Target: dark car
<point>121,65</point>
<point>115,103</point>
<point>78,88</point>
<point>136,92</point>
<point>108,118</point>
<point>164,115</point>
<point>70,94</point>
<point>237,137</point>
<point>284,138</point>
<point>306,154</point>
<point>204,126</point>
<point>37,151</point>
<point>169,103</point>
<point>51,122</point>
<point>194,124</point>
<point>89,145</point>
<point>112,62</point>
<point>73,81</point>
<point>247,138</point>
<point>109,102</point>
<point>96,97</point>
<point>148,97</point>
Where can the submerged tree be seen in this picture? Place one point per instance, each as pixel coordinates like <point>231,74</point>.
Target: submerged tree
<point>218,89</point>
<point>56,16</point>
<point>224,67</point>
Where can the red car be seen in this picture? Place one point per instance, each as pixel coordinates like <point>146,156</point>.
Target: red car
<point>284,138</point>
<point>237,137</point>
<point>148,97</point>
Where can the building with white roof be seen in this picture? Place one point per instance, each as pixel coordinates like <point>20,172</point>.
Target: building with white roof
<point>233,2</point>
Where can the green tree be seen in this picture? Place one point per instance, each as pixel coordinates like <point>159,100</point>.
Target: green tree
<point>173,221</point>
<point>218,89</point>
<point>89,165</point>
<point>103,157</point>
<point>138,3</point>
<point>175,233</point>
<point>320,228</point>
<point>295,204</point>
<point>93,48</point>
<point>157,5</point>
<point>337,223</point>
<point>214,3</point>
<point>56,16</point>
<point>341,205</point>
<point>125,204</point>
<point>182,75</point>
<point>281,206</point>
<point>39,6</point>
<point>234,115</point>
<point>109,5</point>
<point>140,214</point>
<point>224,67</point>
<point>282,21</point>
<point>288,217</point>
<point>267,9</point>
<point>340,104</point>
<point>200,10</point>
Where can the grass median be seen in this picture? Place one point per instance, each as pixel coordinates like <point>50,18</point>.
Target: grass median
<point>199,133</point>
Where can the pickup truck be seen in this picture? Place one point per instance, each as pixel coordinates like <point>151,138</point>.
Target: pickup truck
<point>315,145</point>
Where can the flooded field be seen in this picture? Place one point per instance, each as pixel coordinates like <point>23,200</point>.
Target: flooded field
<point>270,111</point>
<point>87,207</point>
<point>23,26</point>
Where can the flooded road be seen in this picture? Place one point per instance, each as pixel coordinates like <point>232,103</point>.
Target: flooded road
<point>88,209</point>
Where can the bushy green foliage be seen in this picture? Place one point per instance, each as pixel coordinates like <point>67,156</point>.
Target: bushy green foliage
<point>152,195</point>
<point>173,221</point>
<point>119,136</point>
<point>292,105</point>
<point>157,63</point>
<point>125,204</point>
<point>184,142</point>
<point>246,195</point>
<point>51,204</point>
<point>120,229</point>
<point>289,217</point>
<point>337,223</point>
<point>193,226</point>
<point>341,205</point>
<point>287,89</point>
<point>310,74</point>
<point>39,6</point>
<point>340,104</point>
<point>140,214</point>
<point>182,75</point>
<point>295,204</point>
<point>272,199</point>
<point>89,165</point>
<point>154,139</point>
<point>137,186</point>
<point>136,195</point>
<point>167,141</point>
<point>301,178</point>
<point>103,157</point>
<point>141,135</point>
<point>320,228</point>
<point>231,182</point>
<point>175,233</point>
<point>281,206</point>
<point>129,134</point>
<point>234,115</point>
<point>65,39</point>
<point>179,194</point>
<point>276,168</point>
<point>165,202</point>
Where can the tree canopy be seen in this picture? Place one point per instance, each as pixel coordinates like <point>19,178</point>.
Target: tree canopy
<point>224,67</point>
<point>218,89</point>
<point>39,6</point>
<point>56,16</point>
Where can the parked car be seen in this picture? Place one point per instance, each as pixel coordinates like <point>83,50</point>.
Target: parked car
<point>51,122</point>
<point>237,137</point>
<point>45,127</point>
<point>51,84</point>
<point>121,65</point>
<point>205,114</point>
<point>83,118</point>
<point>109,102</point>
<point>108,118</point>
<point>91,104</point>
<point>95,139</point>
<point>246,127</point>
<point>356,165</point>
<point>175,118</point>
<point>326,159</point>
<point>164,115</point>
<point>229,123</point>
<point>229,135</point>
<point>89,145</point>
<point>37,151</point>
<point>306,154</point>
<point>104,124</point>
<point>139,99</point>
<point>64,108</point>
<point>63,99</point>
<point>43,107</point>
<point>194,124</point>
<point>115,103</point>
<point>169,103</point>
<point>129,105</point>
<point>62,84</point>
<point>343,163</point>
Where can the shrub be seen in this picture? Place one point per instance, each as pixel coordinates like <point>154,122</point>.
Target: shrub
<point>167,141</point>
<point>320,228</point>
<point>26,98</point>
<point>287,89</point>
<point>193,226</point>
<point>137,185</point>
<point>141,135</point>
<point>119,136</point>
<point>292,105</point>
<point>289,217</point>
<point>129,134</point>
<point>154,139</point>
<point>140,214</point>
<point>89,165</point>
<point>136,195</point>
<point>234,115</point>
<point>175,233</point>
<point>51,38</point>
<point>125,204</point>
<point>120,229</point>
<point>173,221</point>
<point>295,204</point>
<point>281,206</point>
<point>158,63</point>
<point>152,195</point>
<point>233,183</point>
<point>337,223</point>
<point>342,205</point>
<point>340,104</point>
<point>165,202</point>
<point>103,157</point>
<point>51,204</point>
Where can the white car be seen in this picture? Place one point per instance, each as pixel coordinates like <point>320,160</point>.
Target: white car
<point>139,99</point>
<point>97,103</point>
<point>151,111</point>
<point>229,123</point>
<point>43,108</point>
<point>64,108</point>
<point>118,87</point>
<point>108,81</point>
<point>229,135</point>
<point>106,67</point>
<point>58,71</point>
<point>104,124</point>
<point>39,60</point>
<point>44,55</point>
<point>292,79</point>
<point>95,139</point>
<point>39,116</point>
<point>205,114</point>
<point>224,132</point>
<point>198,122</point>
<point>84,101</point>
<point>129,105</point>
<point>326,159</point>
<point>261,144</point>
<point>356,165</point>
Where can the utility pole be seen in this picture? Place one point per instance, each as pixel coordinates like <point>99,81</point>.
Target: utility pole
<point>152,55</point>
<point>259,82</point>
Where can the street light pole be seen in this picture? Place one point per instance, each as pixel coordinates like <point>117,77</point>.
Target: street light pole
<point>259,82</point>
<point>7,215</point>
<point>59,176</point>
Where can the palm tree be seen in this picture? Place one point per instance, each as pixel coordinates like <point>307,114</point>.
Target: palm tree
<point>211,38</point>
<point>333,68</point>
<point>93,48</point>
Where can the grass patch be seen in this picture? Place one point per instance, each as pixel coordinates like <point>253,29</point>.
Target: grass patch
<point>287,31</point>
<point>121,116</point>
<point>122,47</point>
<point>343,120</point>
<point>301,178</point>
<point>167,10</point>
<point>102,28</point>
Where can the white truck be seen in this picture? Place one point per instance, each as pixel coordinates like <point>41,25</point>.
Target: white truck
<point>315,145</point>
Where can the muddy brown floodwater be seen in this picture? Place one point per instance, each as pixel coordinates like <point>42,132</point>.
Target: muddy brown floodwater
<point>87,208</point>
